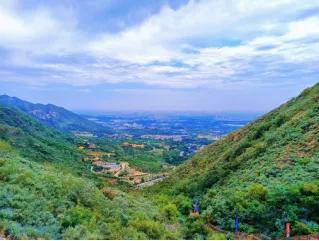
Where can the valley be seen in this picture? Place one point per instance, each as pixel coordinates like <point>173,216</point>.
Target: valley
<point>161,176</point>
<point>144,147</point>
<point>159,120</point>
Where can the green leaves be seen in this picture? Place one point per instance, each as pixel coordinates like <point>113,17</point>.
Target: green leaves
<point>265,169</point>
<point>257,191</point>
<point>40,202</point>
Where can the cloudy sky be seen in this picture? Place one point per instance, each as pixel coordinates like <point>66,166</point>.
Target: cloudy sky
<point>207,55</point>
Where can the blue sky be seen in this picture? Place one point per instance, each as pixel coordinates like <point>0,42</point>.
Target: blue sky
<point>159,55</point>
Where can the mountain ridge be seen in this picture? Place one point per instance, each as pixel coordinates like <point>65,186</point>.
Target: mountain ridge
<point>52,115</point>
<point>35,140</point>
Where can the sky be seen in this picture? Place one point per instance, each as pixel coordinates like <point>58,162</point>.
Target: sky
<point>173,55</point>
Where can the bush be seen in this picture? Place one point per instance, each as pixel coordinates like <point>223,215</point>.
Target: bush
<point>216,236</point>
<point>258,191</point>
<point>195,228</point>
<point>5,147</point>
<point>170,212</point>
<point>300,228</point>
<point>184,204</point>
<point>309,189</point>
<point>152,229</point>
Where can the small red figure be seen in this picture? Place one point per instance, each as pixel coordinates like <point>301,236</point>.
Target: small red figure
<point>288,229</point>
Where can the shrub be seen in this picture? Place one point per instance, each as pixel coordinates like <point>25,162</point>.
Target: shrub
<point>300,228</point>
<point>5,147</point>
<point>258,191</point>
<point>152,229</point>
<point>170,212</point>
<point>184,204</point>
<point>216,236</point>
<point>309,189</point>
<point>195,228</point>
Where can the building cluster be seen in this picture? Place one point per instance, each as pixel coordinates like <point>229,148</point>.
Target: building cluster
<point>120,170</point>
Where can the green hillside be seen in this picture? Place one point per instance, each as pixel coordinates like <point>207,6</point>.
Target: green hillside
<point>53,116</point>
<point>34,140</point>
<point>40,199</point>
<point>268,170</point>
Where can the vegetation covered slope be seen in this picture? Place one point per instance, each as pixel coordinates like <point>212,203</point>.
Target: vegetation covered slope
<point>268,171</point>
<point>52,115</point>
<point>39,199</point>
<point>34,140</point>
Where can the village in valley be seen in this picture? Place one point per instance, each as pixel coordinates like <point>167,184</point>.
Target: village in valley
<point>121,170</point>
<point>141,148</point>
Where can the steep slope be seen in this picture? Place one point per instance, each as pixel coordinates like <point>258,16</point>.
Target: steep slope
<point>268,171</point>
<point>35,140</point>
<point>52,115</point>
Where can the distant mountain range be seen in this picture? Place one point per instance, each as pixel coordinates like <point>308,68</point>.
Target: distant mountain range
<point>52,115</point>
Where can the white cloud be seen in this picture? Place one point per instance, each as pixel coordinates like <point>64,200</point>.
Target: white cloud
<point>203,43</point>
<point>303,28</point>
<point>162,36</point>
<point>36,32</point>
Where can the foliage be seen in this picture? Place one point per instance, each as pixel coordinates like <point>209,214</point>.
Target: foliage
<point>216,236</point>
<point>42,195</point>
<point>267,170</point>
<point>37,202</point>
<point>34,140</point>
